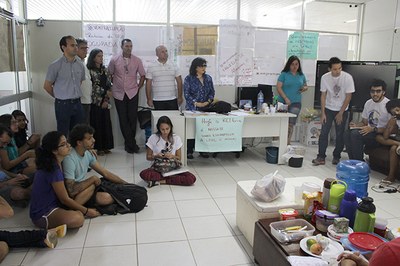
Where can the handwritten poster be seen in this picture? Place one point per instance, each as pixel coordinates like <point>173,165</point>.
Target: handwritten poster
<point>106,37</point>
<point>303,45</point>
<point>218,133</point>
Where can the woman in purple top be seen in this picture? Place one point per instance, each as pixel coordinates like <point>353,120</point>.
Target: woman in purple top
<point>199,93</point>
<point>48,191</point>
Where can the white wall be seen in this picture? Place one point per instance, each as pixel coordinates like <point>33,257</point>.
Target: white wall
<point>379,42</point>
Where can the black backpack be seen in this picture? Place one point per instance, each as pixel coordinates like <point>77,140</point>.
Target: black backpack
<point>128,197</point>
<point>219,107</point>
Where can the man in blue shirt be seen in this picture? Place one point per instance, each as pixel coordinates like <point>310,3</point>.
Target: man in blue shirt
<point>63,82</point>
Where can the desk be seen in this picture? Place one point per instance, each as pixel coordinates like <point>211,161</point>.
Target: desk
<point>271,125</point>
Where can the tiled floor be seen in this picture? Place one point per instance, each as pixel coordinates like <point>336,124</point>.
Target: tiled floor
<point>182,225</point>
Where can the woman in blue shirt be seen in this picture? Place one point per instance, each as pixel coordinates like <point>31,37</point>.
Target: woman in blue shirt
<point>291,83</point>
<point>199,93</point>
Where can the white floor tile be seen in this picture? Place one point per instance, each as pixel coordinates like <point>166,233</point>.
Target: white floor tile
<point>59,257</point>
<point>165,254</point>
<point>105,256</point>
<point>231,218</point>
<point>14,257</point>
<point>226,205</point>
<point>153,231</point>
<point>206,227</point>
<point>196,191</point>
<point>111,234</point>
<point>219,251</point>
<point>159,210</point>
<point>159,193</point>
<point>75,238</point>
<point>194,208</point>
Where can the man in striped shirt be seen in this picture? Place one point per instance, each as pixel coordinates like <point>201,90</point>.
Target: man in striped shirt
<point>163,83</point>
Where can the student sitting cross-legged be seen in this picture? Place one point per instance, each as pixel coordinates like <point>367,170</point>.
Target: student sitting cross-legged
<point>165,144</point>
<point>49,198</point>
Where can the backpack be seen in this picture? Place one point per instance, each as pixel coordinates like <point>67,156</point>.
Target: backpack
<point>219,107</point>
<point>128,197</point>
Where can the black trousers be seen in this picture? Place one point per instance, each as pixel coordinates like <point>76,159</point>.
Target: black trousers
<point>127,116</point>
<point>26,238</point>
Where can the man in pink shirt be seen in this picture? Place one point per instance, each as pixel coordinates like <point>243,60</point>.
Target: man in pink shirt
<point>124,69</point>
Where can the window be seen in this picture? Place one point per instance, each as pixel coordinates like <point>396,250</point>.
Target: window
<point>199,40</point>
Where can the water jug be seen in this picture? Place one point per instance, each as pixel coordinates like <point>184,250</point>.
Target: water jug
<point>349,205</point>
<point>326,191</point>
<point>336,195</point>
<point>365,216</point>
<point>356,175</point>
<point>260,101</point>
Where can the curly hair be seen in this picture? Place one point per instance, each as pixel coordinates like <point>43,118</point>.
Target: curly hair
<point>45,158</point>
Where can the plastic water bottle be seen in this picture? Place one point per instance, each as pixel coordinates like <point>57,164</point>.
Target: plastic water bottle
<point>356,175</point>
<point>349,205</point>
<point>260,101</point>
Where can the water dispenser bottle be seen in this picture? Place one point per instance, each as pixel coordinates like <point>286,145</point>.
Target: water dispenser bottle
<point>260,101</point>
<point>356,175</point>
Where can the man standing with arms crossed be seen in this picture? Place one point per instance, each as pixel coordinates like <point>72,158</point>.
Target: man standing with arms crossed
<point>124,69</point>
<point>63,82</point>
<point>160,81</point>
<point>337,87</point>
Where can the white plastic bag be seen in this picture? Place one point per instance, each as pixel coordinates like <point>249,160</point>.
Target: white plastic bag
<point>293,152</point>
<point>269,187</point>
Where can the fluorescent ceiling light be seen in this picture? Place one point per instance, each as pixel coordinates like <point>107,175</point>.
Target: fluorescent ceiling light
<point>351,21</point>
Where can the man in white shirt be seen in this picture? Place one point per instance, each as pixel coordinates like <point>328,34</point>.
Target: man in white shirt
<point>337,87</point>
<point>161,90</point>
<point>86,85</point>
<point>374,120</point>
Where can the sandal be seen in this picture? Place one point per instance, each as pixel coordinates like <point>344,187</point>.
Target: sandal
<point>384,182</point>
<point>153,184</point>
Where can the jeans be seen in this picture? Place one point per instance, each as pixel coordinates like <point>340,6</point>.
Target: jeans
<point>166,105</point>
<point>326,128</point>
<point>68,114</point>
<point>127,116</point>
<point>357,143</point>
<point>294,108</point>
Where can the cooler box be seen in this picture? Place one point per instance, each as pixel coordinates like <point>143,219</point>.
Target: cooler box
<point>249,209</point>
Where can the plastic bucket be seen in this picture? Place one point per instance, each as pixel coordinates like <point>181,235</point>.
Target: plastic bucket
<point>272,154</point>
<point>296,161</point>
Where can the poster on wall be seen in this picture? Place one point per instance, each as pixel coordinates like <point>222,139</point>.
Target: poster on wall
<point>233,33</point>
<point>303,44</point>
<point>106,37</point>
<point>267,70</point>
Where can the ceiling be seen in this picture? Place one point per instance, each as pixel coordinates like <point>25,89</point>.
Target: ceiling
<point>321,15</point>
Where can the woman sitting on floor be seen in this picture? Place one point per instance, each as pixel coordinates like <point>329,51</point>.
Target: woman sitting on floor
<point>165,144</point>
<point>49,193</point>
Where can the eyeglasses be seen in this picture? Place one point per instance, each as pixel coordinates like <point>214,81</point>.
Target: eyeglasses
<point>166,148</point>
<point>66,144</point>
<point>375,91</point>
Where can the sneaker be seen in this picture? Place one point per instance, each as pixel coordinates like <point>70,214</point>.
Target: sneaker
<point>318,161</point>
<point>60,230</point>
<point>190,156</point>
<point>335,161</point>
<point>51,239</point>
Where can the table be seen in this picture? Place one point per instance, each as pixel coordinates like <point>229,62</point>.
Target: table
<point>271,125</point>
<point>269,251</point>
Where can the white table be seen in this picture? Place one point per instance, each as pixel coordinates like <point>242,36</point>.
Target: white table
<point>271,125</point>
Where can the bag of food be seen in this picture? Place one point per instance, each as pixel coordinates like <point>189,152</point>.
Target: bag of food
<point>269,187</point>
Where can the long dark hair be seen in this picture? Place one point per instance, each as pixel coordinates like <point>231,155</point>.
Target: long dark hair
<point>289,62</point>
<point>165,120</point>
<point>90,62</point>
<point>45,158</point>
<point>6,120</point>
<point>198,61</point>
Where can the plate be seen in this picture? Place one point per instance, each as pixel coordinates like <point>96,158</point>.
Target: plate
<point>333,250</point>
<point>338,235</point>
<point>365,241</point>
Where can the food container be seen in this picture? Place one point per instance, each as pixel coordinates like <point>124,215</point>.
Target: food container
<point>324,219</point>
<point>280,232</point>
<point>288,214</point>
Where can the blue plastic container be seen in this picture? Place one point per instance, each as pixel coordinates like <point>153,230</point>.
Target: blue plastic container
<point>272,154</point>
<point>349,205</point>
<point>356,175</point>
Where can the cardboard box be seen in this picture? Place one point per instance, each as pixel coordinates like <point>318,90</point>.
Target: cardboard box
<point>310,132</point>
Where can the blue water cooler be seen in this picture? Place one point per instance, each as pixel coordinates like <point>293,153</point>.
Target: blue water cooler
<point>356,175</point>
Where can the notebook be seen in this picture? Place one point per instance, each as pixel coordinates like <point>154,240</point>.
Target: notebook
<point>174,172</point>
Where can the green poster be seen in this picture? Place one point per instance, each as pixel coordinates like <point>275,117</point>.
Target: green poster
<point>303,45</point>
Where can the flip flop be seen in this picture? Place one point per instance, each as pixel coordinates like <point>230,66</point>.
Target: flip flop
<point>384,182</point>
